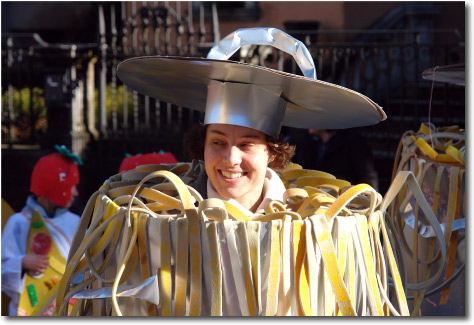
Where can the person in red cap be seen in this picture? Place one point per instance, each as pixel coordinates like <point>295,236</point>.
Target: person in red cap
<point>53,186</point>
<point>161,157</point>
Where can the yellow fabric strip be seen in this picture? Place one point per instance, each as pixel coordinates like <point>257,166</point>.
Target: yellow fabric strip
<point>276,216</point>
<point>329,298</point>
<point>244,252</point>
<point>313,270</point>
<point>216,269</point>
<point>235,212</point>
<point>302,280</point>
<point>350,275</point>
<point>455,173</point>
<point>195,259</point>
<point>165,285</point>
<point>130,265</point>
<point>181,266</point>
<point>348,195</point>
<point>450,267</point>
<point>291,174</point>
<point>379,267</point>
<point>426,129</point>
<point>361,279</point>
<point>294,196</point>
<point>111,210</point>
<point>237,270</point>
<point>446,158</point>
<point>421,294</point>
<point>274,206</point>
<point>123,263</point>
<point>408,178</point>
<point>152,167</point>
<point>292,165</point>
<point>284,305</point>
<point>180,168</point>
<point>342,236</point>
<point>397,282</point>
<point>71,268</point>
<point>143,256</point>
<point>120,191</point>
<point>84,221</point>
<point>318,181</point>
<point>330,304</point>
<point>212,209</point>
<point>274,272</point>
<point>253,235</point>
<point>322,232</point>
<point>168,201</point>
<point>425,148</point>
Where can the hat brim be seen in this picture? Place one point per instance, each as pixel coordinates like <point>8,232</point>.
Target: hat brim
<point>454,74</point>
<point>183,81</point>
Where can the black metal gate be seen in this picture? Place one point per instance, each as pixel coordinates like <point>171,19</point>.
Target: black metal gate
<point>70,92</point>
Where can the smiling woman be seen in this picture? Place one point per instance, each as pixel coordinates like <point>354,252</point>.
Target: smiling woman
<point>239,164</point>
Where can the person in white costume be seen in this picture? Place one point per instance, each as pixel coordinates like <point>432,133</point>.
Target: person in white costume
<point>53,184</point>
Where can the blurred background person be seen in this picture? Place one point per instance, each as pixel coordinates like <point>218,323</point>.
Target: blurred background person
<point>153,158</point>
<point>342,153</point>
<point>53,186</point>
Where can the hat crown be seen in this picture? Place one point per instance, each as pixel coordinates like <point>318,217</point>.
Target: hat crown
<point>249,105</point>
<point>245,105</point>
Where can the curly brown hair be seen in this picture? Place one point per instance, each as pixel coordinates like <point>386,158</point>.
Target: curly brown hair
<point>193,147</point>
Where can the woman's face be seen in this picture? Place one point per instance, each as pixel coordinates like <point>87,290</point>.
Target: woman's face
<point>236,159</point>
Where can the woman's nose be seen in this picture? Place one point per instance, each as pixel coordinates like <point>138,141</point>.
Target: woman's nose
<point>74,191</point>
<point>233,156</point>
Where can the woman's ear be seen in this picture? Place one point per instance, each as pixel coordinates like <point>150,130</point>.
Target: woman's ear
<point>271,159</point>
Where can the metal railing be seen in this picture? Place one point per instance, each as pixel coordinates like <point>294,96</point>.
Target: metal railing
<point>387,69</point>
<point>147,29</point>
<point>385,65</point>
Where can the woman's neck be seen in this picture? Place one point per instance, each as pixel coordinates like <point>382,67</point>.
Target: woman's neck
<point>253,208</point>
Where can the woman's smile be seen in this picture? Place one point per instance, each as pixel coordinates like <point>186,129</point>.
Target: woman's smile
<point>231,175</point>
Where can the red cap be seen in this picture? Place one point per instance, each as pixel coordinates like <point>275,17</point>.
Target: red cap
<point>131,162</point>
<point>53,177</point>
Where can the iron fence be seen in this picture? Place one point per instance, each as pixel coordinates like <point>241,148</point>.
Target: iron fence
<point>385,65</point>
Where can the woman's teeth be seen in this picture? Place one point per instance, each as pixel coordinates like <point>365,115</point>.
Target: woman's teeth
<point>231,175</point>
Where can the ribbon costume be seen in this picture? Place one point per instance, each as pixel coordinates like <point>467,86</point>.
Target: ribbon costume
<point>149,244</point>
<point>436,156</point>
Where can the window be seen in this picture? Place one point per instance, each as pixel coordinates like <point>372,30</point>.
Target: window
<point>229,10</point>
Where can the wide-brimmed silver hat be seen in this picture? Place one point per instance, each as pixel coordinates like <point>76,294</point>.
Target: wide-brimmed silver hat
<point>454,74</point>
<point>253,96</point>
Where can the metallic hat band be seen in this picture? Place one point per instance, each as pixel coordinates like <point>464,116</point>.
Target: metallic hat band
<point>246,105</point>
